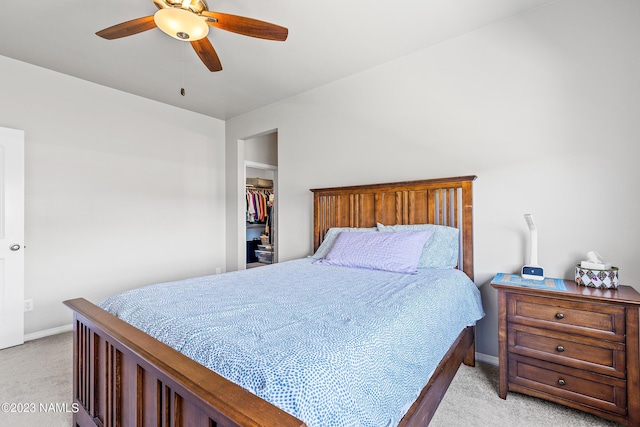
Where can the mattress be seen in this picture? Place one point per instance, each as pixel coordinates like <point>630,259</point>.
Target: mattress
<point>333,346</point>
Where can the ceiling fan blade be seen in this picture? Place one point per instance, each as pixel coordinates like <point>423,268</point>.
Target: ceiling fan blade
<point>128,28</point>
<point>207,54</point>
<point>246,26</point>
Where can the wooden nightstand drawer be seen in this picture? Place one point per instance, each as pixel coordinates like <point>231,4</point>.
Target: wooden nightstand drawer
<point>602,321</point>
<point>596,355</point>
<point>573,387</point>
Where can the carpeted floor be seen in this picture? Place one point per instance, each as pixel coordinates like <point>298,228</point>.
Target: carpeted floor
<point>35,381</point>
<point>472,401</point>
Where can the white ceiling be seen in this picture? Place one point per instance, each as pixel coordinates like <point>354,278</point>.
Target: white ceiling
<point>328,40</point>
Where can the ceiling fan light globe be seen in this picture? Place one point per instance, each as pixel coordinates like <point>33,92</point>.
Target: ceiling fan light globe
<point>181,24</point>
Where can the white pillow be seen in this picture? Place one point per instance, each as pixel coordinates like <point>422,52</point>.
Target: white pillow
<point>441,251</point>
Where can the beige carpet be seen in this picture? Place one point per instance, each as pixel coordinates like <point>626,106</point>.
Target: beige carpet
<point>472,400</point>
<point>36,377</point>
<point>36,383</point>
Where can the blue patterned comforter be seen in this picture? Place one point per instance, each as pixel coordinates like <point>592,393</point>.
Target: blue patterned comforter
<point>333,346</point>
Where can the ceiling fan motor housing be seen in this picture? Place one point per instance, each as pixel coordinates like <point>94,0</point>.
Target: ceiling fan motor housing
<point>196,6</point>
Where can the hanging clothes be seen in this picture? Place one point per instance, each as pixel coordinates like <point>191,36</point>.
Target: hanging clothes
<point>258,202</point>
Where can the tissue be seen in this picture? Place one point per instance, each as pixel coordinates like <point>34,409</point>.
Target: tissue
<point>595,262</point>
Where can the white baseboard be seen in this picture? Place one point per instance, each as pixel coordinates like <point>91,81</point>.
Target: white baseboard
<point>491,360</point>
<point>48,332</point>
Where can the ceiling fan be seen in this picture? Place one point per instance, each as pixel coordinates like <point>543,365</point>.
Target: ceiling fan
<point>189,20</point>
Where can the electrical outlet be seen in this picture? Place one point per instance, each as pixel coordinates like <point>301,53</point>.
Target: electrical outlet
<point>218,270</point>
<point>28,305</point>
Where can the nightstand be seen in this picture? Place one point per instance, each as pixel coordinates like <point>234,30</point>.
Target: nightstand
<point>577,346</point>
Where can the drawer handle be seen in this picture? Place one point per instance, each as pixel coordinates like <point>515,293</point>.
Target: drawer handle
<point>561,382</point>
<point>560,349</point>
<point>559,316</point>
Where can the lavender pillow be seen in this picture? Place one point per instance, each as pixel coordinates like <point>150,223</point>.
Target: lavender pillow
<point>398,252</point>
<point>331,236</point>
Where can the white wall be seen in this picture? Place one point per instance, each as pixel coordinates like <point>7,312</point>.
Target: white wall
<point>262,149</point>
<point>543,108</point>
<point>120,191</point>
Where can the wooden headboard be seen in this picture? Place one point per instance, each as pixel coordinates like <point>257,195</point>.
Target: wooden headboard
<point>442,201</point>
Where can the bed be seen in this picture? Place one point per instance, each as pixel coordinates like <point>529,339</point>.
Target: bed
<point>124,376</point>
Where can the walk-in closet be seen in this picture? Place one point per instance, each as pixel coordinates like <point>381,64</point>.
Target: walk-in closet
<point>260,215</point>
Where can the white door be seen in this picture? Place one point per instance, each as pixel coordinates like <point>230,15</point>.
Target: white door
<point>11,237</point>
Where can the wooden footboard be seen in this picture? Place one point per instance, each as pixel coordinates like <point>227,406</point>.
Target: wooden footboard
<point>124,377</point>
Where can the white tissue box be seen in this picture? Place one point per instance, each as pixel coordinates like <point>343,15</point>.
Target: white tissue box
<point>595,278</point>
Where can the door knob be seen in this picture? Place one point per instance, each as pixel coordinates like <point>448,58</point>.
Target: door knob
<point>14,247</point>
